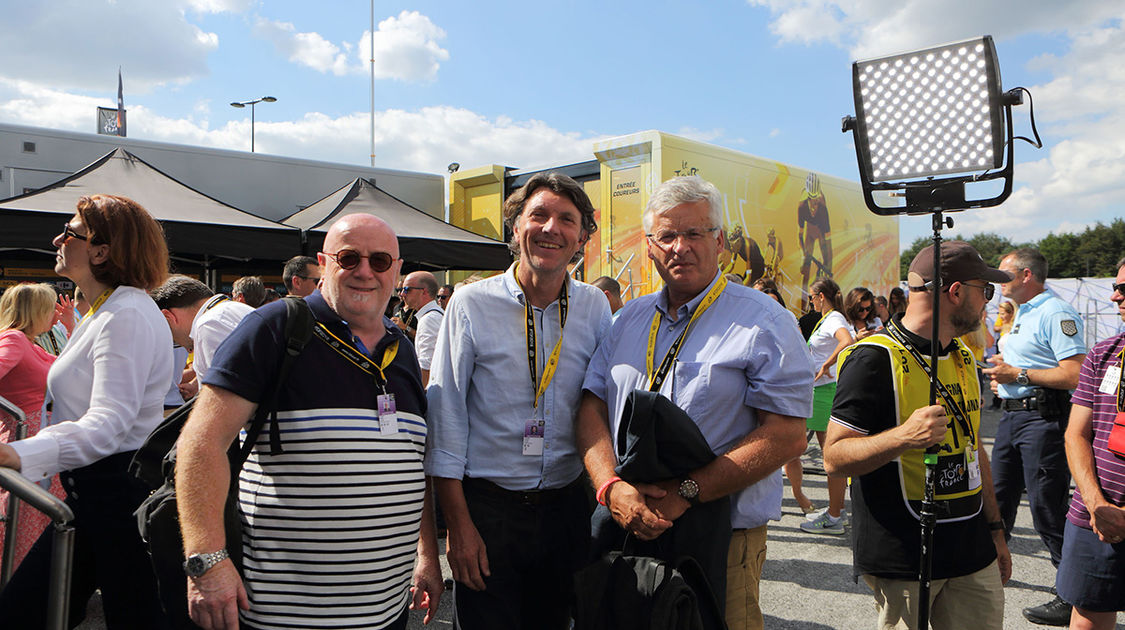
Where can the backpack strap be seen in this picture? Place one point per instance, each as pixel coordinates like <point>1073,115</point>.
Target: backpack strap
<point>298,331</point>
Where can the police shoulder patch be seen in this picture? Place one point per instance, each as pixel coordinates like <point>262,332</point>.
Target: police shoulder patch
<point>1069,327</point>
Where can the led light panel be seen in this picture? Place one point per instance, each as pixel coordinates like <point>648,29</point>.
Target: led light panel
<point>930,112</point>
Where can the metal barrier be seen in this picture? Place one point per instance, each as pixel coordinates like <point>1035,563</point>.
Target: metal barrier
<point>20,488</point>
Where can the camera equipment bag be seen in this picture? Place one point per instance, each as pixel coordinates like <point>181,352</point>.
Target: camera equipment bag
<point>154,464</point>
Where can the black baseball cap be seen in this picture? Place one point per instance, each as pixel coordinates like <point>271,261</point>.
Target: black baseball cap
<point>959,262</point>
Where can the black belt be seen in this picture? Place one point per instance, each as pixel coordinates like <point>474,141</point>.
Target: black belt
<point>524,497</point>
<point>1021,404</point>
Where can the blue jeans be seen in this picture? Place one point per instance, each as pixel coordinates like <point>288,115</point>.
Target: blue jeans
<point>1029,453</point>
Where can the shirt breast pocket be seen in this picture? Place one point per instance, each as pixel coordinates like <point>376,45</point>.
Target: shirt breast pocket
<point>690,384</point>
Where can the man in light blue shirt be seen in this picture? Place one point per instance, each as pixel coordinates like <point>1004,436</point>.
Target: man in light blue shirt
<point>1042,358</point>
<point>741,373</point>
<point>504,388</point>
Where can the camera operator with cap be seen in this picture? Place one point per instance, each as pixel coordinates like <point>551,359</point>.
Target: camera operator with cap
<point>880,429</point>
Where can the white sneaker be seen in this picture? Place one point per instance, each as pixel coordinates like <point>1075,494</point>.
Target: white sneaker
<point>825,524</point>
<point>812,516</point>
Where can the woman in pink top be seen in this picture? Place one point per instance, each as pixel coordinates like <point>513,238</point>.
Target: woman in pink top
<point>26,311</point>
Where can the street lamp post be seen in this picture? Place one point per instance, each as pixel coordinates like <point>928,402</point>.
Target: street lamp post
<point>241,104</point>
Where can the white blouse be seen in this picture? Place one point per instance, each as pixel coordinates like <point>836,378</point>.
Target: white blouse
<point>107,387</point>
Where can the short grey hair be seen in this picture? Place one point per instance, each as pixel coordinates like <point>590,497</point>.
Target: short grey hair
<point>681,190</point>
<point>1030,259</point>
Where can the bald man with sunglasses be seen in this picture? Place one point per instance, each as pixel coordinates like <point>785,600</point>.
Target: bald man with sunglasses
<point>333,523</point>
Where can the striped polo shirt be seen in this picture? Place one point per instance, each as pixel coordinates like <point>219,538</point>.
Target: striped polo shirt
<point>331,523</point>
<point>1110,468</point>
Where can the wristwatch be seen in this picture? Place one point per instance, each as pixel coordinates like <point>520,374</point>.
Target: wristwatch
<point>1022,379</point>
<point>199,563</point>
<point>689,490</point>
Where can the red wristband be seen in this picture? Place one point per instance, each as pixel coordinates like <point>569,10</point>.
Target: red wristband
<point>605,487</point>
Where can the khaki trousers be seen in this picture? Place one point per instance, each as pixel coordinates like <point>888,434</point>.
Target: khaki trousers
<point>744,570</point>
<point>970,601</point>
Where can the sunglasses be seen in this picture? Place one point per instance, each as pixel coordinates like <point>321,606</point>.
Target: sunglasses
<point>68,233</point>
<point>317,278</point>
<point>349,259</point>
<point>405,290</point>
<point>989,289</point>
<point>1120,288</point>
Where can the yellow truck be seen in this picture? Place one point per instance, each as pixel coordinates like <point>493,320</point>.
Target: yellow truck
<point>780,221</point>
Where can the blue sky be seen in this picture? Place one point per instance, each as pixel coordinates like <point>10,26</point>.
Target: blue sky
<point>528,84</point>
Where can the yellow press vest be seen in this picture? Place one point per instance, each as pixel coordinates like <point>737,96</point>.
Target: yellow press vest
<point>957,478</point>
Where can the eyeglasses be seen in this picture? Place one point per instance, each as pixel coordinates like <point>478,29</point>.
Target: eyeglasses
<point>989,289</point>
<point>667,238</point>
<point>349,259</point>
<point>405,289</point>
<point>69,233</point>
<point>1120,288</point>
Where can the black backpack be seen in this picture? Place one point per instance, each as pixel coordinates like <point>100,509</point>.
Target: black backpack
<point>630,592</point>
<point>154,464</point>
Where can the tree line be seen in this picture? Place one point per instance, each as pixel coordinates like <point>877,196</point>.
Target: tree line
<point>1093,253</point>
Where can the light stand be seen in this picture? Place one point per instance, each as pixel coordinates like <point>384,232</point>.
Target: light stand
<point>919,114</point>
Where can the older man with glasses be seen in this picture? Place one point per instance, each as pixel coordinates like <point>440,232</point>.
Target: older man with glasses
<point>343,501</point>
<point>732,360</point>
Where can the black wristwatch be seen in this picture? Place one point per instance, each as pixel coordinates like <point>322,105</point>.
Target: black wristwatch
<point>199,563</point>
<point>689,490</point>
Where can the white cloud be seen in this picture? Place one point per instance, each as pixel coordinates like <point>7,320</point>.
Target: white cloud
<point>220,6</point>
<point>307,49</point>
<point>423,140</point>
<point>406,48</point>
<point>879,27</point>
<point>78,44</point>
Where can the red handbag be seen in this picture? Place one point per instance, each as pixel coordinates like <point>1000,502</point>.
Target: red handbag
<point>1117,435</point>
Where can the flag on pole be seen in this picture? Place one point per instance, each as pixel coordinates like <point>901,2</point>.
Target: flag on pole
<point>120,106</point>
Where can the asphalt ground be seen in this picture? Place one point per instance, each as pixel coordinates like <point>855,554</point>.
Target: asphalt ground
<point>807,579</point>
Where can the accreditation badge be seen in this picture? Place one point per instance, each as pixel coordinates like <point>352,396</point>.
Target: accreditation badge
<point>388,414</point>
<point>533,437</point>
<point>1110,380</point>
<point>972,463</point>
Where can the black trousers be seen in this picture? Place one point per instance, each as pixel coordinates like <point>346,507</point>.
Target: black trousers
<point>108,555</point>
<point>535,542</point>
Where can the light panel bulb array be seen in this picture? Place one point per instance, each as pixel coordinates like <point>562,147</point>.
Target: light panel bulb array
<point>930,112</point>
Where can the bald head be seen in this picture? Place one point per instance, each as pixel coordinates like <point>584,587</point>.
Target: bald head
<point>359,294</point>
<point>421,288</point>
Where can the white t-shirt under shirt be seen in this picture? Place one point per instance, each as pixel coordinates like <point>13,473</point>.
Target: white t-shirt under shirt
<point>216,319</point>
<point>822,343</point>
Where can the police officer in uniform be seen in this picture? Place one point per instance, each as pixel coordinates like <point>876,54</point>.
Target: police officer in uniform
<point>1033,377</point>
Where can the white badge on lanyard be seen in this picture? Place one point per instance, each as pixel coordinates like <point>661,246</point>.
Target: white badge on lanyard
<point>533,437</point>
<point>973,464</point>
<point>388,414</point>
<point>1110,380</point>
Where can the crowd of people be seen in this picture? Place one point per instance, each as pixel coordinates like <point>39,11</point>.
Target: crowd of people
<point>553,426</point>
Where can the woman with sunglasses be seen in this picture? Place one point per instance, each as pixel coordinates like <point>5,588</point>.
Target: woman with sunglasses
<point>107,388</point>
<point>859,306</point>
<point>828,338</point>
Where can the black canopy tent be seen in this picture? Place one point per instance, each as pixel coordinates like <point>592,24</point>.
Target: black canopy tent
<point>424,241</point>
<point>195,224</point>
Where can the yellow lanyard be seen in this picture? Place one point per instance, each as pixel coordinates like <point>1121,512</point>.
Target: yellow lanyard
<point>539,386</point>
<point>96,304</point>
<point>349,352</point>
<point>1121,381</point>
<point>656,377</point>
<point>823,317</point>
